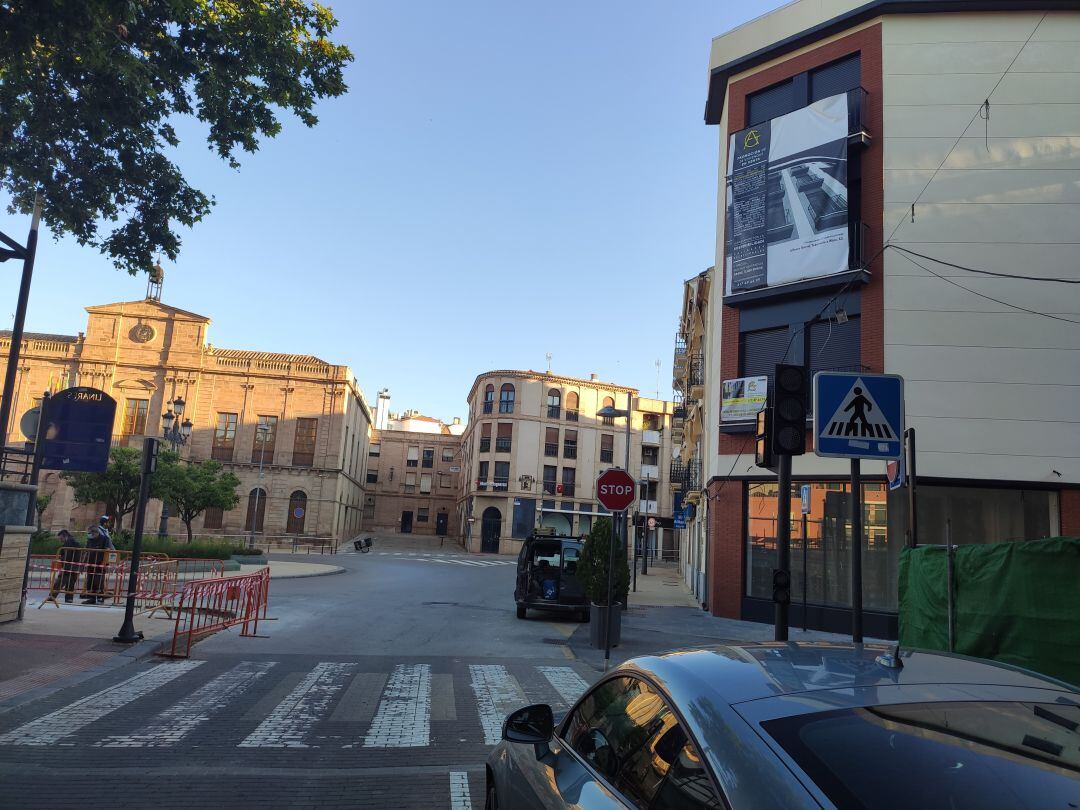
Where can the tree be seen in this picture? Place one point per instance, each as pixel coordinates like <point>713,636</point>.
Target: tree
<point>592,569</point>
<point>40,506</point>
<point>117,487</point>
<point>191,488</point>
<point>90,92</point>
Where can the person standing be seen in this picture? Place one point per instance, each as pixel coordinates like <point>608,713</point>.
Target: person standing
<point>70,555</point>
<point>98,544</point>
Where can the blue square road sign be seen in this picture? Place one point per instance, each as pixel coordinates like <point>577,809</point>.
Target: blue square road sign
<point>858,415</point>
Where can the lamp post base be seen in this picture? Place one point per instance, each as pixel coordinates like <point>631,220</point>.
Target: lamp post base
<point>128,634</point>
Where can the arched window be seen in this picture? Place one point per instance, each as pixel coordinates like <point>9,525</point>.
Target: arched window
<point>506,398</point>
<point>489,398</point>
<point>554,403</point>
<point>297,512</point>
<point>608,403</point>
<point>256,510</point>
<point>571,406</point>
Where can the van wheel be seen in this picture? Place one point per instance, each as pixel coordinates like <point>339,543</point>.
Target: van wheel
<point>491,801</point>
<point>521,611</point>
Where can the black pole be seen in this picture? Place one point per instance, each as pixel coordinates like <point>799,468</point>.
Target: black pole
<point>805,574</point>
<point>613,546</point>
<point>856,550</point>
<point>635,565</point>
<point>15,350</point>
<point>35,473</point>
<point>783,541</point>
<point>128,634</point>
<point>913,520</point>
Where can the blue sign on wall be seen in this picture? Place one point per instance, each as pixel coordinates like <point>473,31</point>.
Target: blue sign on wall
<point>78,430</point>
<point>858,415</point>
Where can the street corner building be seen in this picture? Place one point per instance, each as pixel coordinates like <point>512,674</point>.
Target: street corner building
<point>879,163</point>
<point>293,428</point>
<point>534,447</point>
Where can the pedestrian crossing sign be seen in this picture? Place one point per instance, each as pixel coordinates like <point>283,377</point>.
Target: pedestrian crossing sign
<point>858,415</point>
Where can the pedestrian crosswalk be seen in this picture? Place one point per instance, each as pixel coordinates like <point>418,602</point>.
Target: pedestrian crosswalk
<point>274,705</point>
<point>443,559</point>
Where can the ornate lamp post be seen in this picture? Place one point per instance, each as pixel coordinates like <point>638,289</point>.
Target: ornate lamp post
<point>176,433</point>
<point>262,432</point>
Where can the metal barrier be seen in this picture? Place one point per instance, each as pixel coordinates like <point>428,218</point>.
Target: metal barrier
<point>209,605</point>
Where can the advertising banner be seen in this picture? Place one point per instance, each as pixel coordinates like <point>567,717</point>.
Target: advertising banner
<point>743,398</point>
<point>787,213</point>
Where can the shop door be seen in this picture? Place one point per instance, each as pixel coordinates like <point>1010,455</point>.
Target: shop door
<point>406,522</point>
<point>442,520</point>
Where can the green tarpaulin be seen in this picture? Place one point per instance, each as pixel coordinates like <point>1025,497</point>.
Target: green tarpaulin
<point>1018,603</point>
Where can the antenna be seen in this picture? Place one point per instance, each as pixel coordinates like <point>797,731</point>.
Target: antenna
<point>548,356</point>
<point>658,378</point>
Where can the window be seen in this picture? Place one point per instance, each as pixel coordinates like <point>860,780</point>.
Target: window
<point>608,403</point>
<point>410,482</point>
<point>482,481</point>
<point>550,479</point>
<point>647,490</point>
<point>834,346</point>
<point>485,437</point>
<point>502,475</point>
<point>571,407</point>
<point>569,477</point>
<point>551,442</point>
<point>448,454</point>
<point>413,458</point>
<point>554,403</point>
<point>212,518</point>
<point>628,734</point>
<point>569,448</point>
<point>373,476</point>
<point>422,514</point>
<point>374,449</point>
<point>993,753</point>
<point>445,480</point>
<point>503,437</point>
<point>297,513</point>
<point>135,417</point>
<point>265,439</point>
<point>256,510</point>
<point>607,447</point>
<point>425,483</point>
<point>760,351</point>
<point>489,398</point>
<point>224,437</point>
<point>304,444</point>
<point>428,460</point>
<point>506,398</point>
<point>650,454</point>
<point>650,421</point>
<point>802,90</point>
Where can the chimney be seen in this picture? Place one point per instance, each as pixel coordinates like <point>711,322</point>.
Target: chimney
<point>594,377</point>
<point>457,420</point>
<point>382,409</point>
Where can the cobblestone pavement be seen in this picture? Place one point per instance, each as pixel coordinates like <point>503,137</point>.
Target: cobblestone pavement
<point>273,731</point>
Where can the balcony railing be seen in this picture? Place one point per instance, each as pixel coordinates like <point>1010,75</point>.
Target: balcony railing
<point>695,372</point>
<point>502,445</point>
<point>680,344</point>
<point>549,487</point>
<point>554,411</point>
<point>488,406</point>
<point>221,452</point>
<point>569,450</point>
<point>607,456</point>
<point>551,449</point>
<point>482,484</point>
<point>568,488</point>
<point>686,473</point>
<point>485,444</point>
<point>411,462</point>
<point>500,482</point>
<point>571,415</point>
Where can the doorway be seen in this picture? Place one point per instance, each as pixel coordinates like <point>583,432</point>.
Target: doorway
<point>442,521</point>
<point>490,530</point>
<point>406,522</point>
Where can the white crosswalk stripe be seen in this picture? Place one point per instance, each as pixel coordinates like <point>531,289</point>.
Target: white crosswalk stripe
<point>291,721</point>
<point>172,725</point>
<point>497,694</point>
<point>54,727</point>
<point>403,719</point>
<point>459,791</point>
<point>566,682</point>
<point>453,561</point>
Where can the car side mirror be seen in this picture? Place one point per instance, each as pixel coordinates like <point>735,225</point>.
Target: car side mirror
<point>533,724</point>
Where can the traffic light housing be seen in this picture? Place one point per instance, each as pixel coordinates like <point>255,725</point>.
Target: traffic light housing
<point>781,586</point>
<point>791,388</point>
<point>763,454</point>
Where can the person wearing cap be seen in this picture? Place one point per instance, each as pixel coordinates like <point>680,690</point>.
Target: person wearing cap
<point>70,555</point>
<point>98,544</point>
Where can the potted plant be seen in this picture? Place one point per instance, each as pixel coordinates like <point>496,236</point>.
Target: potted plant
<point>593,574</point>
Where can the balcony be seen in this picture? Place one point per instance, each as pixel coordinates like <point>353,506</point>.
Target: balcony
<point>569,450</point>
<point>551,449</point>
<point>502,445</point>
<point>695,371</point>
<point>485,444</point>
<point>650,471</point>
<point>685,475</point>
<point>607,456</point>
<point>648,507</point>
<point>487,406</point>
<point>482,484</point>
<point>501,483</point>
<point>571,415</point>
<point>567,488</point>
<point>650,437</point>
<point>553,411</point>
<point>549,487</point>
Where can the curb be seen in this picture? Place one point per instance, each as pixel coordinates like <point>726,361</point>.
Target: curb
<point>335,569</point>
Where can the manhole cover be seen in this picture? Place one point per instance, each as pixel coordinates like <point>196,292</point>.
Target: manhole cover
<point>557,641</point>
<point>441,604</point>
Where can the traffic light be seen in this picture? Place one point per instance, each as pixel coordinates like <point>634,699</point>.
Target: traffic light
<point>790,391</point>
<point>763,454</point>
<point>781,586</point>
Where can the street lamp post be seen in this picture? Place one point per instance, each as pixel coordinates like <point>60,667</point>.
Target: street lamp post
<point>176,433</point>
<point>262,430</point>
<point>612,411</point>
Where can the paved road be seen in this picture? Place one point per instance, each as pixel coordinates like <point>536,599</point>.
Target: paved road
<point>383,686</point>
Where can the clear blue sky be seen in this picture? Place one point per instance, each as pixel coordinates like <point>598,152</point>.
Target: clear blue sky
<point>503,180</point>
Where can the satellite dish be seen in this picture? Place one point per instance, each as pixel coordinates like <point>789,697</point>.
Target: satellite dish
<point>28,424</point>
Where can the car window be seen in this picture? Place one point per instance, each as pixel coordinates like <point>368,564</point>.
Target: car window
<point>967,754</point>
<point>570,560</point>
<point>629,735</point>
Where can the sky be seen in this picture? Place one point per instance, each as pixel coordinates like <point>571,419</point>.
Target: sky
<point>502,181</point>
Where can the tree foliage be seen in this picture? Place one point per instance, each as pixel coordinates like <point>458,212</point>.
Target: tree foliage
<point>90,91</point>
<point>40,505</point>
<point>592,569</point>
<point>191,488</point>
<point>117,487</point>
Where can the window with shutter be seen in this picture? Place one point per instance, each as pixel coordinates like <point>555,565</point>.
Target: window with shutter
<point>760,352</point>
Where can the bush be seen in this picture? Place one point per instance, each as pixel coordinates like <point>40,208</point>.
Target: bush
<point>592,570</point>
<point>44,543</point>
<point>209,548</point>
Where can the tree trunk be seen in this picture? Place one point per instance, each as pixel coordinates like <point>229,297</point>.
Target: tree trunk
<point>187,523</point>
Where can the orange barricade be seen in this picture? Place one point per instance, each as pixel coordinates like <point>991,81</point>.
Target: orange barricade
<point>209,605</point>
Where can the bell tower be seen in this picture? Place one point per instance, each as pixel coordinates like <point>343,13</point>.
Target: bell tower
<point>154,278</point>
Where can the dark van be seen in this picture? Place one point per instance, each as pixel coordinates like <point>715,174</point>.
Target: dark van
<point>547,576</point>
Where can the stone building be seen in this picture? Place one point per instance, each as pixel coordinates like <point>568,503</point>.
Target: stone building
<point>145,354</point>
<point>534,446</point>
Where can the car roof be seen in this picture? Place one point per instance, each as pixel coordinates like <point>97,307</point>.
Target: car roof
<point>740,672</point>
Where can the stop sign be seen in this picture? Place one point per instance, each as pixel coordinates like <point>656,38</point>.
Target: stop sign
<point>615,490</point>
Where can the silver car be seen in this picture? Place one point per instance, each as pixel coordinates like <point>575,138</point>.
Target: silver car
<point>785,725</point>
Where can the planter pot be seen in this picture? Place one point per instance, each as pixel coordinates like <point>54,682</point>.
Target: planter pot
<point>597,618</point>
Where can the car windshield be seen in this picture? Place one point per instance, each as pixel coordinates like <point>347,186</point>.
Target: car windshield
<point>961,756</point>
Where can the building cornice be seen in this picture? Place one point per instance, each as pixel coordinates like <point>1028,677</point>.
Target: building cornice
<point>540,376</point>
